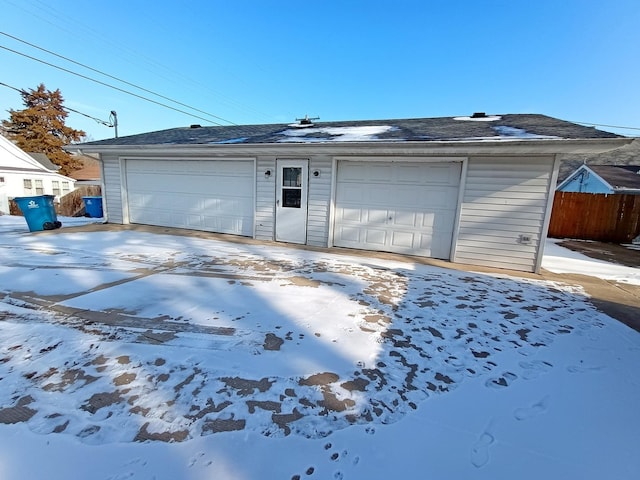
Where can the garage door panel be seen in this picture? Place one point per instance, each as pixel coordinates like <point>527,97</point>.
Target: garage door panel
<point>405,219</point>
<point>398,207</point>
<point>375,217</point>
<point>375,237</point>
<point>211,195</point>
<point>401,239</point>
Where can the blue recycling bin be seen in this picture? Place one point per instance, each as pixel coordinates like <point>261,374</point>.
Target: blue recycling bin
<point>93,206</point>
<point>39,212</point>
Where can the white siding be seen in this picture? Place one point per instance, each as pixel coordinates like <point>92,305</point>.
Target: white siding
<point>265,198</point>
<point>504,199</point>
<point>112,191</point>
<point>13,185</point>
<point>319,201</point>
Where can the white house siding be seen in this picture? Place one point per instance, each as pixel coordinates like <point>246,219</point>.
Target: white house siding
<point>265,198</point>
<point>319,201</point>
<point>504,200</point>
<point>41,183</point>
<point>112,193</point>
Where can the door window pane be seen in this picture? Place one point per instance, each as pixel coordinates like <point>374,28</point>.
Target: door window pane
<point>291,197</point>
<point>292,177</point>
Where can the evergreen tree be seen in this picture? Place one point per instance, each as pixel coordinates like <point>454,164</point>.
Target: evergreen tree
<point>40,127</point>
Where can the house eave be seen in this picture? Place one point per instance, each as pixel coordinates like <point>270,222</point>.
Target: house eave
<point>626,191</point>
<point>461,148</point>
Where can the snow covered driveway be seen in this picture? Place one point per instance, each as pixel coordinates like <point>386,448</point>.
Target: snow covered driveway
<point>239,354</point>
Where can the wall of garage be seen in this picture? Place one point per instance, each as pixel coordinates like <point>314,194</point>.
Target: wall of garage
<point>503,211</point>
<point>501,220</point>
<point>111,190</point>
<point>319,201</point>
<point>265,198</point>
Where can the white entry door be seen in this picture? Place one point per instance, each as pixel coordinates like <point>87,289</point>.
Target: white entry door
<point>291,200</point>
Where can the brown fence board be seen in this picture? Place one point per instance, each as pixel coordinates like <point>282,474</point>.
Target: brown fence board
<point>587,216</point>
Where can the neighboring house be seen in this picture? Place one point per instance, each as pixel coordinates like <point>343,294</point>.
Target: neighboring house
<point>603,179</point>
<point>88,173</point>
<point>475,190</point>
<point>22,175</point>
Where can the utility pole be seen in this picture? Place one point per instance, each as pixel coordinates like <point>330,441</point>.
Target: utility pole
<point>114,121</point>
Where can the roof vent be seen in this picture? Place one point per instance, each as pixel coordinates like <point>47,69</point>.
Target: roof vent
<point>306,120</point>
<point>479,115</point>
<point>195,125</point>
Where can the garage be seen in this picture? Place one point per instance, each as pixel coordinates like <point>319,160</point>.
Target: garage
<point>210,195</point>
<point>399,207</point>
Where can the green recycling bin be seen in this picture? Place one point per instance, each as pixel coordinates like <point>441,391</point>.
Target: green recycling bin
<point>39,212</point>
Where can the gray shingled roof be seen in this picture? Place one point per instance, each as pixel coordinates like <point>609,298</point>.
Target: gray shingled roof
<point>619,177</point>
<point>493,127</point>
<point>43,160</point>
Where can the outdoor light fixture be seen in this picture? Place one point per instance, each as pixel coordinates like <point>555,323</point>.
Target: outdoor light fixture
<point>267,173</point>
<point>316,173</point>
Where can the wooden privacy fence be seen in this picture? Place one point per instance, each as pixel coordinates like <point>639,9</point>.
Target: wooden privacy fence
<point>588,216</point>
<point>70,205</point>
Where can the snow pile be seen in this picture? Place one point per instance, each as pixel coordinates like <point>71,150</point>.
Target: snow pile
<point>335,134</point>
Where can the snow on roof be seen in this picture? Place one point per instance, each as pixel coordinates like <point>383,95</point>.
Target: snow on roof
<point>486,118</point>
<point>363,133</point>
<point>512,132</point>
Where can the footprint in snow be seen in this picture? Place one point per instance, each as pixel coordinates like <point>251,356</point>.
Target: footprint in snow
<point>537,408</point>
<point>480,451</point>
<point>195,459</point>
<point>506,379</point>
<point>584,368</point>
<point>534,368</point>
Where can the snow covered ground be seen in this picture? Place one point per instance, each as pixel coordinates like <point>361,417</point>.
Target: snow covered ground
<point>558,259</point>
<point>134,355</point>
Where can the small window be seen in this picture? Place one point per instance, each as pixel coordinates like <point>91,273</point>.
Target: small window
<point>1,179</point>
<point>55,185</point>
<point>28,186</point>
<point>291,187</point>
<point>39,187</point>
<point>292,177</point>
<point>65,188</point>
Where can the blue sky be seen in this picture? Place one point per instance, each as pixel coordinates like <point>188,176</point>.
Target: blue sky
<point>268,61</point>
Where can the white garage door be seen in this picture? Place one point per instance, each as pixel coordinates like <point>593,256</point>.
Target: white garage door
<point>397,207</point>
<point>213,195</point>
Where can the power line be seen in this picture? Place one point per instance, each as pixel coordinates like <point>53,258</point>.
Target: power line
<point>603,125</point>
<point>132,56</point>
<point>103,122</point>
<point>115,78</point>
<point>109,86</point>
